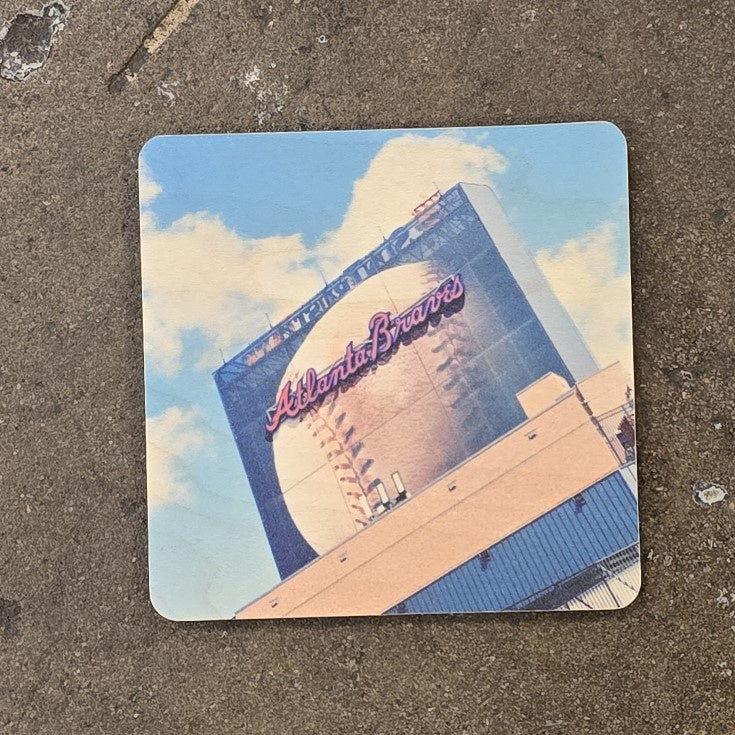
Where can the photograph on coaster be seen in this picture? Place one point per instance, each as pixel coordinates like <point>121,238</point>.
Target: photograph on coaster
<point>389,372</point>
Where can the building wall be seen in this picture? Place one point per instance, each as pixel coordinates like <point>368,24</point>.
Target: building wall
<point>475,362</point>
<point>540,465</point>
<point>538,396</point>
<point>552,315</point>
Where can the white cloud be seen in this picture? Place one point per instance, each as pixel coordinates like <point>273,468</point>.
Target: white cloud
<point>202,277</point>
<point>171,439</point>
<point>406,171</point>
<point>582,274</point>
<point>148,189</point>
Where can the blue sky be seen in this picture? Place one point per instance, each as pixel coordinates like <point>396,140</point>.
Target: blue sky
<point>555,186</point>
<point>563,187</point>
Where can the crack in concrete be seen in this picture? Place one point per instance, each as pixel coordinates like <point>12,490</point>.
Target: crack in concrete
<point>165,28</point>
<point>26,41</point>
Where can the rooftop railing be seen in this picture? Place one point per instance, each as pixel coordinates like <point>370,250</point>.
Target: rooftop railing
<point>618,428</point>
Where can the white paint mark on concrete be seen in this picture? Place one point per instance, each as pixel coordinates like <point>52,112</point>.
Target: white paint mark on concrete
<point>707,494</point>
<point>725,598</point>
<point>249,79</point>
<point>270,96</point>
<point>168,90</point>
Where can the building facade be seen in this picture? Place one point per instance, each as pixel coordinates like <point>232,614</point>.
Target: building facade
<point>451,394</point>
<point>543,518</point>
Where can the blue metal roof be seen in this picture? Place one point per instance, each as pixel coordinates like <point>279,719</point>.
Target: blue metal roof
<point>598,522</point>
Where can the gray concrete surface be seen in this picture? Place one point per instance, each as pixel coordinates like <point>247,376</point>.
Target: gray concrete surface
<point>81,650</point>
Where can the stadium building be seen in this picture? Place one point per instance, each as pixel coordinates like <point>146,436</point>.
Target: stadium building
<point>487,463</point>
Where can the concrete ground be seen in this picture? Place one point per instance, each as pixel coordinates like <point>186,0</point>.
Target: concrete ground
<point>81,649</point>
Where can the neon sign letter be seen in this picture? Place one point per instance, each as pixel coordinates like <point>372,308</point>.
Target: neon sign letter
<point>385,334</point>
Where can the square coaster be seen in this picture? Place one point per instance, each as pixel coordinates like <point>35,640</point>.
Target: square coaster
<point>389,372</point>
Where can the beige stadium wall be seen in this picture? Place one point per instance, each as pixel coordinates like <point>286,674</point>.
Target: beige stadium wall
<point>550,458</point>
